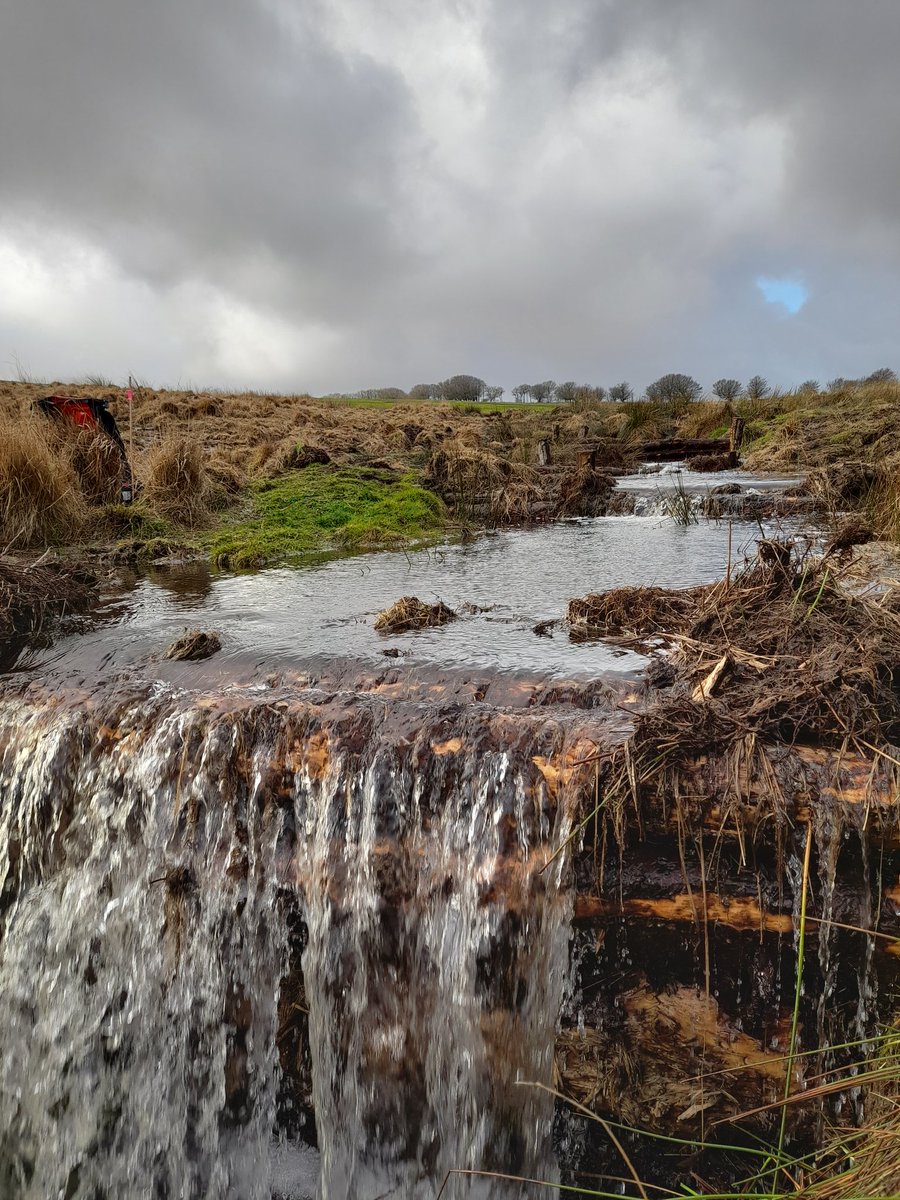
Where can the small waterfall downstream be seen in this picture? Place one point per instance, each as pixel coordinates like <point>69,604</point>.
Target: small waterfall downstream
<point>292,923</point>
<point>188,877</point>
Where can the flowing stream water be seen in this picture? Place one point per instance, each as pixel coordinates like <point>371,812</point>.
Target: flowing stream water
<point>196,860</point>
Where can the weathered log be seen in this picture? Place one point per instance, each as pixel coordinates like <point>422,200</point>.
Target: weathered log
<point>677,449</point>
<point>736,434</point>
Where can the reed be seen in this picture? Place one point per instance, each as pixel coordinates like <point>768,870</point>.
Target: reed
<point>678,504</point>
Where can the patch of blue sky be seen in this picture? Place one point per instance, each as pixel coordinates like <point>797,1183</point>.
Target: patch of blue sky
<point>790,294</point>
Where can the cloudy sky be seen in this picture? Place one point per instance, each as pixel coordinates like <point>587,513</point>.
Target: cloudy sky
<point>319,195</point>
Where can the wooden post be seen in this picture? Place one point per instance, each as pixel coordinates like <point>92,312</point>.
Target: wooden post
<point>736,435</point>
<point>544,452</point>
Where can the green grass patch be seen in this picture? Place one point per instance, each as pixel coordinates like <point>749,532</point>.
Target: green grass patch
<point>320,510</point>
<point>131,521</point>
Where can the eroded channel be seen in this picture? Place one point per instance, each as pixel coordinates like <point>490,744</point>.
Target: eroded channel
<point>307,918</point>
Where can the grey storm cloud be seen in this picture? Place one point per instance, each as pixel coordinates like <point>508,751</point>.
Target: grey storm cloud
<point>294,193</point>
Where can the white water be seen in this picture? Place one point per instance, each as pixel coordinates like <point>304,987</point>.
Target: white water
<point>156,853</point>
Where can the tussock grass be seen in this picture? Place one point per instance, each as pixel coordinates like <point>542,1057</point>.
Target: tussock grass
<point>41,502</point>
<point>883,502</point>
<point>706,419</point>
<point>96,461</point>
<point>175,481</point>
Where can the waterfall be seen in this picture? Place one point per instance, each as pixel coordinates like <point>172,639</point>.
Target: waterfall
<point>187,877</point>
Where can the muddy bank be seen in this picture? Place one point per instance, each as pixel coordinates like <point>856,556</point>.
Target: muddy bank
<point>36,597</point>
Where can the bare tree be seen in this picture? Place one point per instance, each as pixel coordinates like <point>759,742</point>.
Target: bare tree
<point>465,389</point>
<point>809,385</point>
<point>522,392</point>
<point>424,391</point>
<point>543,391</point>
<point>727,389</point>
<point>758,388</point>
<point>882,375</point>
<point>621,393</point>
<point>674,387</point>
<point>565,392</point>
<point>385,393</point>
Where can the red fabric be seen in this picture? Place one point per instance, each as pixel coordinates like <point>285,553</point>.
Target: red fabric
<point>75,410</point>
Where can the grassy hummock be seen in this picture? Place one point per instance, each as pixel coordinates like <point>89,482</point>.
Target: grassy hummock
<point>326,510</point>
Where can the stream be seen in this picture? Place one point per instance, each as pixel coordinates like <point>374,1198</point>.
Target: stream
<point>295,922</point>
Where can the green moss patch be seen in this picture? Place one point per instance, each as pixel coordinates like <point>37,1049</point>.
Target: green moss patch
<point>322,509</point>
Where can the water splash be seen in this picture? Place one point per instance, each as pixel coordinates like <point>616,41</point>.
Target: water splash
<point>155,852</point>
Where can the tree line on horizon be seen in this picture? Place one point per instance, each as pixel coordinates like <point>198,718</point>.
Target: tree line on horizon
<point>674,387</point>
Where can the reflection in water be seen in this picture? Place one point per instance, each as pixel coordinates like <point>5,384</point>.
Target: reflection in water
<point>502,586</point>
<point>188,585</point>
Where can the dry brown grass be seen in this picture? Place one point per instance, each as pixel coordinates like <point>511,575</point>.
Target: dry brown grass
<point>194,645</point>
<point>410,612</point>
<point>634,611</point>
<point>95,459</point>
<point>30,591</point>
<point>175,481</point>
<point>705,418</point>
<point>41,502</point>
<point>250,428</point>
<point>798,656</point>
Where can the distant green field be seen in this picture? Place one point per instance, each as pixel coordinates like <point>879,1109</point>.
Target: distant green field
<point>484,406</point>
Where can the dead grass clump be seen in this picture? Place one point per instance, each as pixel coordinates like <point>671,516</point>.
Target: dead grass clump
<point>518,502</point>
<point>40,499</point>
<point>30,592</point>
<point>259,456</point>
<point>884,509</point>
<point>412,613</point>
<point>476,483</point>
<point>707,418</point>
<point>637,611</point>
<point>583,492</point>
<point>296,456</point>
<point>225,479</point>
<point>97,461</point>
<point>843,485</point>
<point>207,407</point>
<point>175,481</point>
<point>481,482</point>
<point>785,651</point>
<point>194,645</point>
<point>852,531</point>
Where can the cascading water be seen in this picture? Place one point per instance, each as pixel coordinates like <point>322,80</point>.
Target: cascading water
<point>156,850</point>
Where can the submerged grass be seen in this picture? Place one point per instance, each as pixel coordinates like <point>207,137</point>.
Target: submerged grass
<point>322,509</point>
